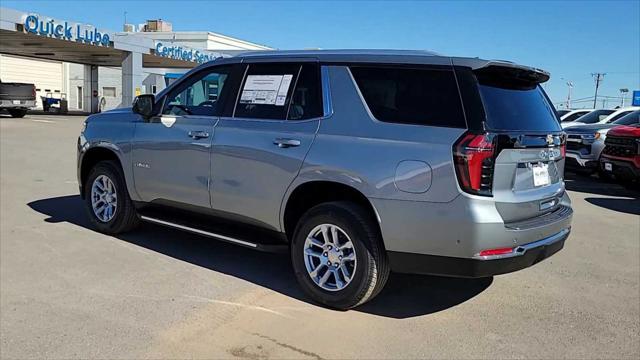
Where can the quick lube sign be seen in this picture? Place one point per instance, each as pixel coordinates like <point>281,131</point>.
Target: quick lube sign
<point>184,53</point>
<point>65,31</point>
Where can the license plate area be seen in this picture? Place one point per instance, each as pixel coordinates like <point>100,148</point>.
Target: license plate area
<point>16,102</point>
<point>540,174</point>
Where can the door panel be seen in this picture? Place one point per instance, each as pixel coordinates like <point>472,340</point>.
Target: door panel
<point>171,158</point>
<point>254,162</point>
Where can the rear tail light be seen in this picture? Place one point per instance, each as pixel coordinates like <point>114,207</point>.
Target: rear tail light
<point>563,150</point>
<point>474,156</point>
<point>33,91</point>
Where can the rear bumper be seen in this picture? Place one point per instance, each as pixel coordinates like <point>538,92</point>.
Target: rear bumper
<point>522,257</point>
<point>23,104</point>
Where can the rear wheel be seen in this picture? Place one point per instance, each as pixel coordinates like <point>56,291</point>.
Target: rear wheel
<point>17,113</point>
<point>338,256</point>
<point>107,200</point>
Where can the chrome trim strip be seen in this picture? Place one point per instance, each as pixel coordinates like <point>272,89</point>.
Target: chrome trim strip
<point>327,105</point>
<point>522,249</point>
<point>198,231</point>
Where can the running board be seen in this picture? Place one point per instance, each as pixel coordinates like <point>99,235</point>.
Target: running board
<point>252,245</point>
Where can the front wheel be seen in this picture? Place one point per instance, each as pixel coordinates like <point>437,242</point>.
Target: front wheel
<point>107,200</point>
<point>338,256</point>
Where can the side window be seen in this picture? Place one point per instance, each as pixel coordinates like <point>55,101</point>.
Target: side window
<point>306,102</point>
<point>200,96</point>
<point>266,91</point>
<point>418,96</point>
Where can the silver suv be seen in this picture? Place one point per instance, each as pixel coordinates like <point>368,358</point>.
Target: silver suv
<point>357,162</point>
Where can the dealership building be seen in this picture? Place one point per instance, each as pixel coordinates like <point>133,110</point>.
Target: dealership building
<point>97,69</point>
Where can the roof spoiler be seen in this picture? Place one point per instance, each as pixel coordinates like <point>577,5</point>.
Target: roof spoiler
<point>522,72</point>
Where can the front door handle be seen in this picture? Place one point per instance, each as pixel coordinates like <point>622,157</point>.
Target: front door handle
<point>198,135</point>
<point>285,143</point>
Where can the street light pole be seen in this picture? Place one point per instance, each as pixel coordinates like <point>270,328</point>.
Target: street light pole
<point>570,86</point>
<point>623,93</point>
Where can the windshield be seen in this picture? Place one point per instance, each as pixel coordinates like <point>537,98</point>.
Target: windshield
<point>629,119</point>
<point>562,112</point>
<point>594,116</point>
<point>618,116</point>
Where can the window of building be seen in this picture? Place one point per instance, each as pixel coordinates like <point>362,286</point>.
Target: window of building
<point>109,91</point>
<point>419,96</point>
<point>266,91</point>
<point>80,95</point>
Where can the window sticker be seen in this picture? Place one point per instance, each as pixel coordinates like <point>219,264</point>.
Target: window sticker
<point>266,89</point>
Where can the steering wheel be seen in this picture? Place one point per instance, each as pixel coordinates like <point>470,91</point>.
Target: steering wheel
<point>208,103</point>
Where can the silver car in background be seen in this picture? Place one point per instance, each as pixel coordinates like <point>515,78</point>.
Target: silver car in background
<point>357,162</point>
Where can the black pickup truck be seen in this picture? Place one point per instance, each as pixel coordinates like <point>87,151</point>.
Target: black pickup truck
<point>17,98</point>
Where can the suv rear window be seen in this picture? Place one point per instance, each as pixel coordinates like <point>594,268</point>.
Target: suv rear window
<point>513,104</point>
<point>594,116</point>
<point>419,96</point>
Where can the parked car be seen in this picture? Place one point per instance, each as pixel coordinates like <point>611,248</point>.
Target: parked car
<point>585,143</point>
<point>593,117</point>
<point>357,162</point>
<point>621,154</point>
<point>17,98</point>
<point>574,115</point>
<point>615,115</point>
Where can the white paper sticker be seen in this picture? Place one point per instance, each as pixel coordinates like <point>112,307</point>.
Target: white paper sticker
<point>266,89</point>
<point>541,175</point>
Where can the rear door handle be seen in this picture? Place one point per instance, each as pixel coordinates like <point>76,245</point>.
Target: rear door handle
<point>198,134</point>
<point>285,143</point>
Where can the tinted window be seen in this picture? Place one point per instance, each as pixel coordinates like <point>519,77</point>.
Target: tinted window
<point>574,116</point>
<point>411,96</point>
<point>616,117</point>
<point>266,91</point>
<point>595,116</point>
<point>306,102</point>
<point>629,119</point>
<point>562,112</point>
<point>199,95</point>
<point>513,108</point>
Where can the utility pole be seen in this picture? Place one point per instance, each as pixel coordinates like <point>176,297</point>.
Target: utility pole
<point>598,78</point>
<point>570,86</point>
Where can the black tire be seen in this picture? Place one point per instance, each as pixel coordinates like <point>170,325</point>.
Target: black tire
<point>125,217</point>
<point>17,113</point>
<point>372,270</point>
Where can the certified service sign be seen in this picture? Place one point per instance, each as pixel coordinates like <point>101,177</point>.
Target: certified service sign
<point>65,31</point>
<point>184,53</point>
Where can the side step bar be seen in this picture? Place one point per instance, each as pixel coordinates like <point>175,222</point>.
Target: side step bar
<point>252,245</point>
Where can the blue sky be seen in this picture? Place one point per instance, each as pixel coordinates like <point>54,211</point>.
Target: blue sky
<point>570,39</point>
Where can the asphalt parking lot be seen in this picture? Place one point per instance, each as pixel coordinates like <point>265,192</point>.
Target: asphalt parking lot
<point>69,292</point>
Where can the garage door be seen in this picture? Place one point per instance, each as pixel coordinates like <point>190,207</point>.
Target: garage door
<point>46,75</point>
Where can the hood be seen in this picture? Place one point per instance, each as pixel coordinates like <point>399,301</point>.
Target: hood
<point>626,131</point>
<point>587,128</point>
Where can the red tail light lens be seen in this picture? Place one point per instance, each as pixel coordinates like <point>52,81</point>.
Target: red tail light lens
<point>473,155</point>
<point>33,91</point>
<point>492,252</point>
<point>563,150</point>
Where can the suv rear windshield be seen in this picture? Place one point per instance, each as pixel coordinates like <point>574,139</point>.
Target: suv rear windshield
<point>515,104</point>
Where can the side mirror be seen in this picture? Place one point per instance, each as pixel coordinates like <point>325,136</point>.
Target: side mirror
<point>143,105</point>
